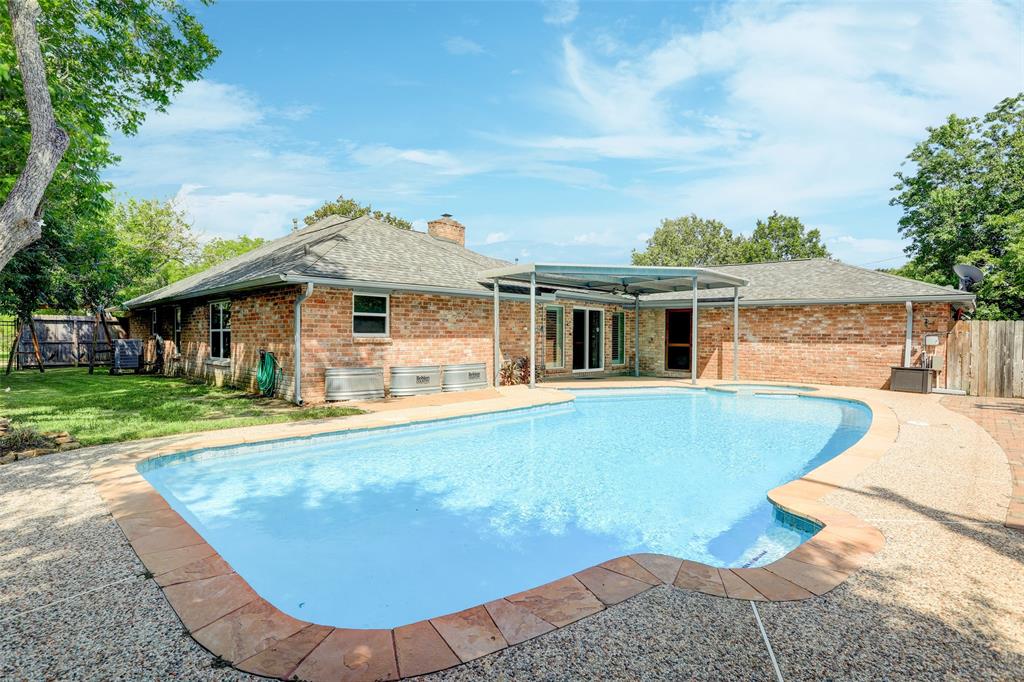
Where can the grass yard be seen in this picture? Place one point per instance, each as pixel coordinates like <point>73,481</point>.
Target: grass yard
<point>101,408</point>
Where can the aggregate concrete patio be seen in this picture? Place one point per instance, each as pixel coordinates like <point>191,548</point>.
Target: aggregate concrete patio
<point>943,598</point>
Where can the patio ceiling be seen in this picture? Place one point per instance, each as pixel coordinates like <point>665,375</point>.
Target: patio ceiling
<point>623,279</point>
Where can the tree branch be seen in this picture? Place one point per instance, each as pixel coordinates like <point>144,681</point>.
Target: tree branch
<point>20,222</point>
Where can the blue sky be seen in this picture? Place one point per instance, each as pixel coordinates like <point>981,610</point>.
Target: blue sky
<point>564,131</point>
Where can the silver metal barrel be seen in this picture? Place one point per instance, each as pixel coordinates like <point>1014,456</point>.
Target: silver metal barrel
<point>354,383</point>
<point>465,377</point>
<point>415,380</point>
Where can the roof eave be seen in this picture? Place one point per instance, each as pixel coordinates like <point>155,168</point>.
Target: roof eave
<point>852,300</point>
<point>256,283</point>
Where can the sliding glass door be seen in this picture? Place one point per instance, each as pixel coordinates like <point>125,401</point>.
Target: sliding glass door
<point>587,339</point>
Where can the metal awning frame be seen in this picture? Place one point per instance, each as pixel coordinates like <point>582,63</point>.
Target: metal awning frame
<point>624,280</point>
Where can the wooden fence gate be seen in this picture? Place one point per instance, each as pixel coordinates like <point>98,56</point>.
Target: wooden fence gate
<point>987,358</point>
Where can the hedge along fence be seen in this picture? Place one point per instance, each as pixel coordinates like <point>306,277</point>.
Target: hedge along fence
<point>986,358</point>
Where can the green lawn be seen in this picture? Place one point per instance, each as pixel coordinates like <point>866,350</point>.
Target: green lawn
<point>101,408</point>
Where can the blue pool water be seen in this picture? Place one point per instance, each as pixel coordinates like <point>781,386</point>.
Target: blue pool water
<point>387,527</point>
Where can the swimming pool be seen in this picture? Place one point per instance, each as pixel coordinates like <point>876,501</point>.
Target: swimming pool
<point>380,528</point>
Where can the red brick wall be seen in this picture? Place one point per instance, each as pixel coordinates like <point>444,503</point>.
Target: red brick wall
<point>851,345</point>
<point>833,344</point>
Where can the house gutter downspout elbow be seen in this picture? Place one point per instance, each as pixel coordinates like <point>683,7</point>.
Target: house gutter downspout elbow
<point>298,341</point>
<point>909,340</point>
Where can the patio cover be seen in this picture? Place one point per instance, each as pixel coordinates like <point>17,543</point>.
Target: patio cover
<point>633,280</point>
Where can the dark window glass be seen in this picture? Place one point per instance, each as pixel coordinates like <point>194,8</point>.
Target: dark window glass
<point>215,345</point>
<point>369,325</point>
<point>226,345</point>
<point>371,304</point>
<point>214,316</point>
<point>579,340</point>
<point>225,316</point>
<point>595,350</point>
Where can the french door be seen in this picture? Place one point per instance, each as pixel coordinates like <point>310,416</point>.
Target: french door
<point>678,339</point>
<point>587,339</point>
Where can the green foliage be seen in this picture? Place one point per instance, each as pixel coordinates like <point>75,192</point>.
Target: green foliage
<point>99,408</point>
<point>132,248</point>
<point>963,202</point>
<point>108,64</point>
<point>781,237</point>
<point>691,240</point>
<point>353,209</point>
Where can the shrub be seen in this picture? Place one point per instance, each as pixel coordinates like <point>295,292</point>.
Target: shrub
<point>515,371</point>
<point>25,438</point>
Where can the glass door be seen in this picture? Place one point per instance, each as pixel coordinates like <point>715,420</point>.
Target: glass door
<point>587,339</point>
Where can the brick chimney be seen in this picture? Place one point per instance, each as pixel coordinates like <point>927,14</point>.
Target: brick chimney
<point>447,228</point>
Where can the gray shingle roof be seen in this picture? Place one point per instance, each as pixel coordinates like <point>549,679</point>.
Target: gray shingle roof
<point>820,280</point>
<point>367,250</point>
<point>360,249</point>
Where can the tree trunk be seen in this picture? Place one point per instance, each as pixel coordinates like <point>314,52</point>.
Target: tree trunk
<point>20,215</point>
<point>95,333</point>
<point>110,338</point>
<point>14,349</point>
<point>35,343</point>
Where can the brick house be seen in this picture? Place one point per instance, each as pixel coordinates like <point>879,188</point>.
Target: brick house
<point>366,294</point>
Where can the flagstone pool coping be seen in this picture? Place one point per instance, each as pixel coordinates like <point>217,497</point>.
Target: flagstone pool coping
<point>231,620</point>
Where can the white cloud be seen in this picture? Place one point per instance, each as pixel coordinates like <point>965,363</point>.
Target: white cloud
<point>442,161</point>
<point>561,12</point>
<point>458,45</point>
<point>495,237</point>
<point>235,213</point>
<point>205,106</point>
<point>872,252</point>
<point>809,105</point>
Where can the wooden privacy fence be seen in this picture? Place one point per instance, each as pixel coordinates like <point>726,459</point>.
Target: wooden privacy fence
<point>987,358</point>
<point>65,340</point>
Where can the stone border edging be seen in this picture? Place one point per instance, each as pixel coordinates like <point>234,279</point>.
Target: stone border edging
<point>227,617</point>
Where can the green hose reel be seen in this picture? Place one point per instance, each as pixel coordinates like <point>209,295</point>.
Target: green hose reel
<point>268,373</point>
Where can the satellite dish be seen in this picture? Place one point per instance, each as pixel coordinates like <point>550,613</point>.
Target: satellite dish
<point>969,276</point>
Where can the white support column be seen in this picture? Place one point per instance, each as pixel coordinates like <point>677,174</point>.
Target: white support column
<point>497,337</point>
<point>693,335</point>
<point>735,333</point>
<point>636,344</point>
<point>533,330</point>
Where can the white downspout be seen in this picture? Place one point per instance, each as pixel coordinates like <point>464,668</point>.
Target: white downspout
<point>636,342</point>
<point>909,340</point>
<point>298,341</point>
<point>533,330</point>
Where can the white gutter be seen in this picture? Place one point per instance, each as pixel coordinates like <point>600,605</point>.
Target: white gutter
<point>782,302</point>
<point>298,341</point>
<point>909,339</point>
<point>364,285</point>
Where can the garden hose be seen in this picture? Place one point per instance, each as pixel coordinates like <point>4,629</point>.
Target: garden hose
<point>267,373</point>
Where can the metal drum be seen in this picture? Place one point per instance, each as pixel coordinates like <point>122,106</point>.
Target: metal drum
<point>415,380</point>
<point>354,383</point>
<point>465,377</point>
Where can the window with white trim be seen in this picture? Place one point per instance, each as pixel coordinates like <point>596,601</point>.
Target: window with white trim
<point>370,315</point>
<point>220,329</point>
<point>152,322</point>
<point>554,337</point>
<point>618,338</point>
<point>177,328</point>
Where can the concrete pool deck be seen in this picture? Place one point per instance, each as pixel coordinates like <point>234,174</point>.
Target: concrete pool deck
<point>943,596</point>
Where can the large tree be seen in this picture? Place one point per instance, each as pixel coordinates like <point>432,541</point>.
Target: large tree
<point>962,195</point>
<point>689,240</point>
<point>353,209</point>
<point>71,72</point>
<point>781,237</point>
